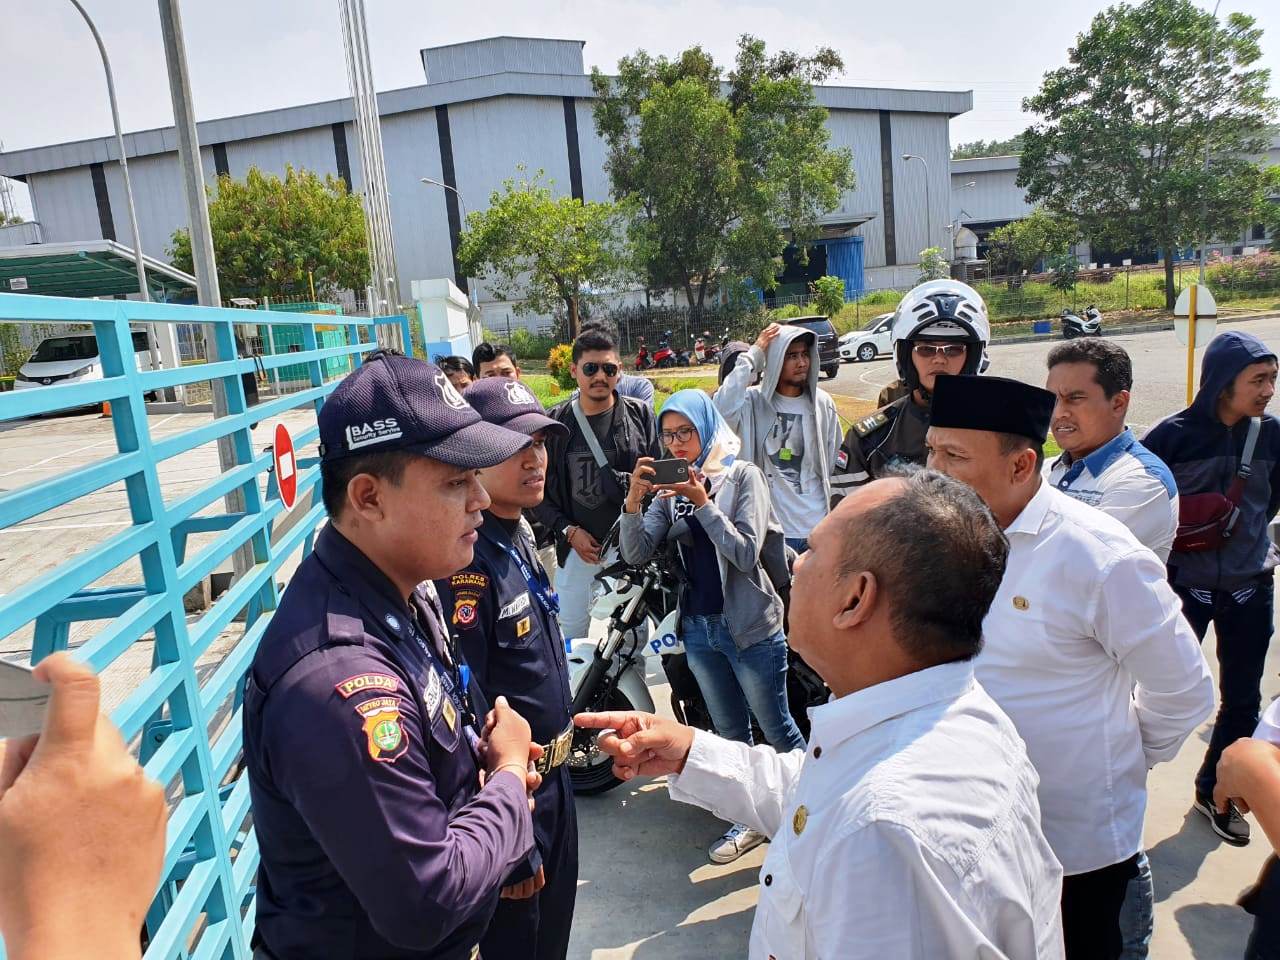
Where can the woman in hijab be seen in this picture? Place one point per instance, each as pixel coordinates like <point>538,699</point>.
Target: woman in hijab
<point>731,615</point>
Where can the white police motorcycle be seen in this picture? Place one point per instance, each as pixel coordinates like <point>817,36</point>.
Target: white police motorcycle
<point>610,674</point>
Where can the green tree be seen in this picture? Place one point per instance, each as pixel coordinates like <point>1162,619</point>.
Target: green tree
<point>718,171</point>
<point>1024,243</point>
<point>987,148</point>
<point>14,219</point>
<point>1271,212</point>
<point>933,265</point>
<point>271,237</point>
<point>1125,127</point>
<point>828,295</point>
<point>1065,269</point>
<point>544,251</point>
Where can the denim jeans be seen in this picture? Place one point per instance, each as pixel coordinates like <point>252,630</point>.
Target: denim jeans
<point>738,683</point>
<point>1242,621</point>
<point>1137,916</point>
<point>798,544</point>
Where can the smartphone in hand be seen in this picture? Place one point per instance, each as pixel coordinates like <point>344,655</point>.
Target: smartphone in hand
<point>23,700</point>
<point>674,470</point>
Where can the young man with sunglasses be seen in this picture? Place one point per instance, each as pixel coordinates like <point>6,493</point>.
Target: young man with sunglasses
<point>587,472</point>
<point>940,327</point>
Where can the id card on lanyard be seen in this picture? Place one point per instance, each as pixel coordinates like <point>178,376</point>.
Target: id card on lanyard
<point>451,687</point>
<point>539,586</point>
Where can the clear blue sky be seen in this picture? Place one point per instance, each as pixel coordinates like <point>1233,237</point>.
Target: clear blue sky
<point>248,55</point>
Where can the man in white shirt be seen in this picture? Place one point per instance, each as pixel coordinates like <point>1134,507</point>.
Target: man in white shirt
<point>1102,463</point>
<point>1085,648</point>
<point>909,828</point>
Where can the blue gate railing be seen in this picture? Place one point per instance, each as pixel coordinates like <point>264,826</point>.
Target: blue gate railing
<point>183,715</point>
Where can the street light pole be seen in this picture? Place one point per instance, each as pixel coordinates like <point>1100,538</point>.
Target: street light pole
<point>473,294</point>
<point>124,163</point>
<point>928,206</point>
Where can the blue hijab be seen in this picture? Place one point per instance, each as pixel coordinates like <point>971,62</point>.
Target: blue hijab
<point>720,445</point>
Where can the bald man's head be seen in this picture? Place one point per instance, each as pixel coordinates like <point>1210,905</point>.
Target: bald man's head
<point>936,552</point>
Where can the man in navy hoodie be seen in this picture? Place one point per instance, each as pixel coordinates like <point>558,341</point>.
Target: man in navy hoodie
<point>1231,587</point>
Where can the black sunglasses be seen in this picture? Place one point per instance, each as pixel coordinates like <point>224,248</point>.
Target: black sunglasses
<point>591,368</point>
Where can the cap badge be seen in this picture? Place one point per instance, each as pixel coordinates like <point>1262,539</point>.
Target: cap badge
<point>449,393</point>
<point>518,394</point>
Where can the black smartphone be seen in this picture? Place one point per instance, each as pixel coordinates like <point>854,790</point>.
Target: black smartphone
<point>675,470</point>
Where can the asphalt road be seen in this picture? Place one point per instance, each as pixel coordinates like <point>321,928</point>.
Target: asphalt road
<point>646,889</point>
<point>1159,368</point>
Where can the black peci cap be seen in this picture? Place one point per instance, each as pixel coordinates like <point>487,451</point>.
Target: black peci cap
<point>993,404</point>
<point>394,402</point>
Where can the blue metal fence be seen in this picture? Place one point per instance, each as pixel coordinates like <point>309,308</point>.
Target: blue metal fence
<point>184,716</point>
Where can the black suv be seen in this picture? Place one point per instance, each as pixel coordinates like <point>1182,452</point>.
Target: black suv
<point>828,342</point>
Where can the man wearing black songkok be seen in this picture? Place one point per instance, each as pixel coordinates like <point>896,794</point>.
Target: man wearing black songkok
<point>1085,649</point>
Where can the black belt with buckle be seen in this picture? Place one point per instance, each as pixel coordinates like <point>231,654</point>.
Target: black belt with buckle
<point>556,752</point>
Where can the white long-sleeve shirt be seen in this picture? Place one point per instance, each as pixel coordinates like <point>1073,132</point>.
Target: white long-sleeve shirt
<point>1124,479</point>
<point>909,828</point>
<point>1087,651</point>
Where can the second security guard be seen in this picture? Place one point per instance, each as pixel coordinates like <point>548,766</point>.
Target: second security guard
<point>503,611</point>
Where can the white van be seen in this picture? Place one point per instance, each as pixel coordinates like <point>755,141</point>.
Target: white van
<point>72,359</point>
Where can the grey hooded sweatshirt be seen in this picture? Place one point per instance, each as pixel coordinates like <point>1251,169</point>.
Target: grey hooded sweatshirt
<point>752,415</point>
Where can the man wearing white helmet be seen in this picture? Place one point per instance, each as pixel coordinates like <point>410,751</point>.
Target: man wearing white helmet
<point>940,327</point>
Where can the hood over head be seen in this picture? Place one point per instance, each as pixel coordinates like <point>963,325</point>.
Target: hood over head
<point>1227,354</point>
<point>778,351</point>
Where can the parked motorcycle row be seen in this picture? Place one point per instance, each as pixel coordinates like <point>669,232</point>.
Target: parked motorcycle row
<point>705,350</point>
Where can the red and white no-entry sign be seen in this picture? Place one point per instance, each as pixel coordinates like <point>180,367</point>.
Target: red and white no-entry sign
<point>286,468</point>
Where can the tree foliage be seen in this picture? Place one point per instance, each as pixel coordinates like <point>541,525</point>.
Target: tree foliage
<point>548,253</point>
<point>269,234</point>
<point>828,295</point>
<point>716,170</point>
<point>1024,243</point>
<point>1126,125</point>
<point>987,148</point>
<point>933,265</point>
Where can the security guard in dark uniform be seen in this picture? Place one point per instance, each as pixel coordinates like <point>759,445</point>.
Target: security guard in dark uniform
<point>940,327</point>
<point>503,611</point>
<point>386,818</point>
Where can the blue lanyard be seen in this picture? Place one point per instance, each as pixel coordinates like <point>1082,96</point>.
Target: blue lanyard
<point>540,587</point>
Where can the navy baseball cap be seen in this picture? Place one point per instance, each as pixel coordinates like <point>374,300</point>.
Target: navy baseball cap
<point>394,402</point>
<point>509,403</point>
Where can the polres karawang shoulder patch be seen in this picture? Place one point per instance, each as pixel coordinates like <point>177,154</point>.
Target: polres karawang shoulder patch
<point>469,578</point>
<point>387,738</point>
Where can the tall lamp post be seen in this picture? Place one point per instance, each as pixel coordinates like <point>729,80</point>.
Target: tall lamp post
<point>928,207</point>
<point>124,173</point>
<point>473,295</point>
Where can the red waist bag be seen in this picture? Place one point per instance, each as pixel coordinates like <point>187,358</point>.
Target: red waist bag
<point>1207,520</point>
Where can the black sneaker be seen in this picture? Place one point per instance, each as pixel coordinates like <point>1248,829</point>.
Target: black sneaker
<point>1230,826</point>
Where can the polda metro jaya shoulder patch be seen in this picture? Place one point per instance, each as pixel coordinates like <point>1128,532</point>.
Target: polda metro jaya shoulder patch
<point>363,682</point>
<point>387,738</point>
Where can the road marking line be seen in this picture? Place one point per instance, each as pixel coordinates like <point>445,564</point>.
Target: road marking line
<point>87,446</point>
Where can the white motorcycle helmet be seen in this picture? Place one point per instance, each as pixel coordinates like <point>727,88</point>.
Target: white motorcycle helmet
<point>940,310</point>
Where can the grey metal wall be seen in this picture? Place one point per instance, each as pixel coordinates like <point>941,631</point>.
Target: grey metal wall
<point>859,131</point>
<point>924,135</point>
<point>490,138</point>
<point>994,195</point>
<point>479,58</point>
